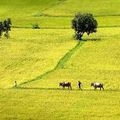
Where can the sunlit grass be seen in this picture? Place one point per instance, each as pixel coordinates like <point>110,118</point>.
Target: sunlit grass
<point>26,13</point>
<point>59,105</point>
<point>96,60</point>
<point>42,58</point>
<point>29,53</point>
<point>97,7</point>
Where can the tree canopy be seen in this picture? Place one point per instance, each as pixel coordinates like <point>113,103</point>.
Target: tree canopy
<point>5,27</point>
<point>84,23</point>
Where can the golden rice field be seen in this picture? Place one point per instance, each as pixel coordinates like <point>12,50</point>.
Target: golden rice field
<point>38,96</point>
<point>29,53</point>
<point>93,61</point>
<point>39,59</point>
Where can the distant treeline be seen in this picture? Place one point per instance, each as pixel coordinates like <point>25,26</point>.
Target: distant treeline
<point>5,27</point>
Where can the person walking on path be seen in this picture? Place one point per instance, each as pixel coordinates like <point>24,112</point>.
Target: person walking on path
<point>79,85</point>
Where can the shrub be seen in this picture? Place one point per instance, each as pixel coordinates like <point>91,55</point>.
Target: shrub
<point>35,26</point>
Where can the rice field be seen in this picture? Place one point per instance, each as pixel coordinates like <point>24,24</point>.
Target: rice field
<point>36,104</point>
<point>93,61</point>
<point>58,13</point>
<point>39,59</point>
<point>29,53</point>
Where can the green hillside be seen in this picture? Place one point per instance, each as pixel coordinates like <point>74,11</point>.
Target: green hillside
<point>51,14</point>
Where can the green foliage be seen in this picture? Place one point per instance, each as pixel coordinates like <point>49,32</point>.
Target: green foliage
<point>35,26</point>
<point>5,27</point>
<point>84,23</point>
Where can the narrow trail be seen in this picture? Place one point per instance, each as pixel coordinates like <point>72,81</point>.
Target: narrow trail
<point>61,63</point>
<point>67,56</point>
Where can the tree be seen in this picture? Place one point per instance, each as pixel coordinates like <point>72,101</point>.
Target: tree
<point>1,29</point>
<point>35,26</point>
<point>84,23</point>
<point>7,27</point>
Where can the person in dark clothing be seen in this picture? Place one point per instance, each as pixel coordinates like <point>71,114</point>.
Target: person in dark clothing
<point>15,84</point>
<point>79,85</point>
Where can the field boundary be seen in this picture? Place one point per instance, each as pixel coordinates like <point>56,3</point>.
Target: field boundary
<point>20,27</point>
<point>60,65</point>
<point>71,16</point>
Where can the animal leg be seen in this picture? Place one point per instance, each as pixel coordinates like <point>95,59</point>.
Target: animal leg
<point>80,88</point>
<point>103,88</point>
<point>95,88</point>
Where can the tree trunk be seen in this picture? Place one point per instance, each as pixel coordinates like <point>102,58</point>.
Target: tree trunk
<point>6,34</point>
<point>0,34</point>
<point>79,35</point>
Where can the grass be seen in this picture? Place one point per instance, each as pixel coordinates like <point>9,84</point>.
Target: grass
<point>23,104</point>
<point>53,22</point>
<point>58,7</point>
<point>97,7</point>
<point>23,56</point>
<point>58,13</point>
<point>93,61</point>
<point>39,59</point>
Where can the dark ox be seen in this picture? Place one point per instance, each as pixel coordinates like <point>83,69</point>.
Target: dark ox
<point>97,85</point>
<point>66,84</point>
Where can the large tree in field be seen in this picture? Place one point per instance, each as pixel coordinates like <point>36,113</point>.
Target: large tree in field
<point>84,23</point>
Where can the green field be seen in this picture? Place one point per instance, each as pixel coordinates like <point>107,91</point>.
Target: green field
<point>38,104</point>
<point>91,61</point>
<point>29,53</point>
<point>58,13</point>
<point>39,59</point>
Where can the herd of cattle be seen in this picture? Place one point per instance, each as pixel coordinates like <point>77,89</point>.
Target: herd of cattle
<point>94,84</point>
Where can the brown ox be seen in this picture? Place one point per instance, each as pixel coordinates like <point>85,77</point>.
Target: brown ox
<point>65,84</point>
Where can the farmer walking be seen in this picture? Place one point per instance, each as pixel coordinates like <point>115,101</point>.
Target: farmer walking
<point>15,84</point>
<point>79,85</point>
